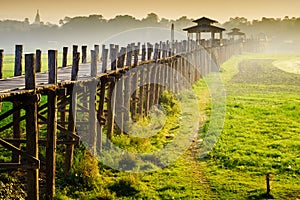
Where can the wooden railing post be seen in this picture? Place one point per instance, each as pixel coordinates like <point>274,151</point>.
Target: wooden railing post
<point>51,126</point>
<point>65,57</point>
<point>104,60</point>
<point>31,128</point>
<point>94,63</point>
<point>1,62</point>
<point>84,53</point>
<point>38,60</point>
<point>18,60</point>
<point>75,66</point>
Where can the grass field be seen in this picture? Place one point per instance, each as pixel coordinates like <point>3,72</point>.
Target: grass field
<point>9,60</point>
<point>260,136</point>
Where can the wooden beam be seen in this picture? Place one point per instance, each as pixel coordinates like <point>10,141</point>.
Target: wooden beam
<point>31,128</point>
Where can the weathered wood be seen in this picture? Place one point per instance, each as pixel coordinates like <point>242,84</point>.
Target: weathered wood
<point>147,90</point>
<point>111,110</point>
<point>100,114</point>
<point>121,57</point>
<point>75,66</point>
<point>104,60</point>
<point>65,57</point>
<point>69,156</point>
<point>1,62</point>
<point>92,117</point>
<point>18,60</point>
<point>51,127</point>
<point>38,53</point>
<point>31,128</point>
<point>129,55</point>
<point>136,55</point>
<point>35,163</point>
<point>134,96</point>
<point>94,63</point>
<point>141,91</point>
<point>84,53</point>
<point>16,129</point>
<point>127,92</point>
<point>97,50</point>
<point>113,59</point>
<point>143,52</point>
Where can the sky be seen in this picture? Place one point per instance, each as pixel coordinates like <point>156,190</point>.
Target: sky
<point>220,10</point>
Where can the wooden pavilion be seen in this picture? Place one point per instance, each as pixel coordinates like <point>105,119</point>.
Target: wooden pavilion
<point>205,25</point>
<point>236,32</point>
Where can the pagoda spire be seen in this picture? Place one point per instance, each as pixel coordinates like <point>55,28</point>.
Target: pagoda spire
<point>37,18</point>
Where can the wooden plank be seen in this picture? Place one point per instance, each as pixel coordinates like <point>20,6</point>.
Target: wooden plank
<point>51,127</point>
<point>31,128</point>
<point>34,161</point>
<point>18,60</point>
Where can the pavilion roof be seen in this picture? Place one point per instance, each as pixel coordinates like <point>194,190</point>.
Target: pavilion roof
<point>204,28</point>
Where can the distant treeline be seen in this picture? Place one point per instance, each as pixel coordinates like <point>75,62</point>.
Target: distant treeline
<point>95,29</point>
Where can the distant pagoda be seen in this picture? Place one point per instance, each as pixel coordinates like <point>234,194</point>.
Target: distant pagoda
<point>37,19</point>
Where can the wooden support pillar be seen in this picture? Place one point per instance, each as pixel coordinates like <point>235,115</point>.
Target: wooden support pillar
<point>31,128</point>
<point>100,114</point>
<point>65,57</point>
<point>147,89</point>
<point>134,97</point>
<point>16,130</point>
<point>51,126</point>
<point>18,60</point>
<point>38,60</point>
<point>1,62</point>
<point>92,117</point>
<point>84,54</point>
<point>111,110</point>
<point>141,91</point>
<point>69,155</point>
<point>120,105</point>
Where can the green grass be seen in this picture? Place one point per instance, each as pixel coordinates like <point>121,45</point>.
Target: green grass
<point>261,131</point>
<point>9,60</point>
<point>260,136</point>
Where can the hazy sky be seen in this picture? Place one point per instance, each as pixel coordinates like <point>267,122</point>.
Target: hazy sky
<point>220,10</point>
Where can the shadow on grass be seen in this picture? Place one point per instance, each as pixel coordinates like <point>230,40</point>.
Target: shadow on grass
<point>260,196</point>
<point>123,188</point>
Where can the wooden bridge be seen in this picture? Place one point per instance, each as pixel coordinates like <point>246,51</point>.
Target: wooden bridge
<point>40,99</point>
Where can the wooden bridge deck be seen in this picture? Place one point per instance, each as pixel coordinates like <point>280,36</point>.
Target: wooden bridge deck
<point>16,85</point>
